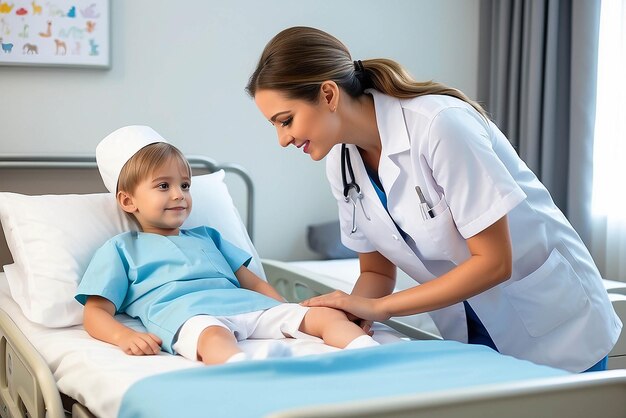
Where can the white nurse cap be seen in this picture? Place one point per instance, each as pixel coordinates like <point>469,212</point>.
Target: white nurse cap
<point>119,147</point>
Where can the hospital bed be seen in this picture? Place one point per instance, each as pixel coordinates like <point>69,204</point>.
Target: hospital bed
<point>50,367</point>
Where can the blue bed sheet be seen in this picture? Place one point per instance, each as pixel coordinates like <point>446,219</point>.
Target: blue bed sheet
<point>257,388</point>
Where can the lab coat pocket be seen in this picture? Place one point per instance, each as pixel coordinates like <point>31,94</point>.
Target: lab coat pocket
<point>549,296</point>
<point>443,240</point>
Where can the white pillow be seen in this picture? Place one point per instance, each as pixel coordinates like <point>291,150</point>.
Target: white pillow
<point>53,237</point>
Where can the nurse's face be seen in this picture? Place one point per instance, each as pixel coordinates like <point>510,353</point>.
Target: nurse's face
<point>312,127</point>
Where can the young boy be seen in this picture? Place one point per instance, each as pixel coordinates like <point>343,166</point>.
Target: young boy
<point>190,288</point>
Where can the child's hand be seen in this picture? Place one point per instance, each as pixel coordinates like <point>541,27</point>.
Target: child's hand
<point>139,343</point>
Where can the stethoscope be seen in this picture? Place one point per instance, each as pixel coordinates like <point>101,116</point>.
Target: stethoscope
<point>351,190</point>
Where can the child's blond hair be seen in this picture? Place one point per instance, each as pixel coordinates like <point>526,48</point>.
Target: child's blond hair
<point>145,161</point>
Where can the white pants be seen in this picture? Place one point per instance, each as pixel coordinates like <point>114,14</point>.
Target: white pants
<point>282,321</point>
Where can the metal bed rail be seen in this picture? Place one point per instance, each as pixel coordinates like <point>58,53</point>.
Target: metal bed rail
<point>27,386</point>
<point>89,161</point>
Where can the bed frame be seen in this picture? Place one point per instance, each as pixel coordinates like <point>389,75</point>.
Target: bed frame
<point>28,388</point>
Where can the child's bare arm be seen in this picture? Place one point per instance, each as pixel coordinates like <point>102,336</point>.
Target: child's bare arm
<point>251,281</point>
<point>100,323</point>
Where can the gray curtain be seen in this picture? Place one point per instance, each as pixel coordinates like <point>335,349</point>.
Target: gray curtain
<point>538,82</point>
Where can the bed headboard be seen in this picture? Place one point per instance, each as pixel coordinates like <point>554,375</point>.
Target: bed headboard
<point>45,174</point>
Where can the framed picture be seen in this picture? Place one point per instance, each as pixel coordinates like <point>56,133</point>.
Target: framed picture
<point>55,33</point>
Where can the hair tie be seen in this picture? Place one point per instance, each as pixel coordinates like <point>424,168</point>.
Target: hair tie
<point>361,75</point>
<point>358,67</point>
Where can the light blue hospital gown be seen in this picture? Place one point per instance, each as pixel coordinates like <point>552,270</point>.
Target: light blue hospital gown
<point>165,280</point>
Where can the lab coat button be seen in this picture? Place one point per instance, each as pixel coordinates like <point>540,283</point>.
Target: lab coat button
<point>394,236</point>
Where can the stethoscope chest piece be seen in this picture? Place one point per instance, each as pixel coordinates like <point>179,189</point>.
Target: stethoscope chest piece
<point>351,190</point>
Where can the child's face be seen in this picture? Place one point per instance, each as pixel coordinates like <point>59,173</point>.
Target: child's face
<point>161,202</point>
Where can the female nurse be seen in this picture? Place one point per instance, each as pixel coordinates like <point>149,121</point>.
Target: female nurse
<point>424,181</point>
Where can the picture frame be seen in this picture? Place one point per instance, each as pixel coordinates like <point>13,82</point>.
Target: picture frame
<point>55,33</point>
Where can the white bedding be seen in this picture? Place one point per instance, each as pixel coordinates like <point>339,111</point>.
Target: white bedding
<point>98,374</point>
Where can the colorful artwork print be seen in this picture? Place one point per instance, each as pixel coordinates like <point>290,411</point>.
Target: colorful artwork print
<point>41,32</point>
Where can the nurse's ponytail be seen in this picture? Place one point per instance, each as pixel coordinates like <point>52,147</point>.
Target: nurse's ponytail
<point>389,77</point>
<point>299,59</point>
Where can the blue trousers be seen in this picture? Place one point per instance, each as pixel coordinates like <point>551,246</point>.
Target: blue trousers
<point>599,366</point>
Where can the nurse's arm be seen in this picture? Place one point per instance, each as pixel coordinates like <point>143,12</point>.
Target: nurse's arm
<point>377,277</point>
<point>249,280</point>
<point>489,265</point>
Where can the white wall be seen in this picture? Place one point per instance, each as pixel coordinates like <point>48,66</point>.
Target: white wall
<point>181,67</point>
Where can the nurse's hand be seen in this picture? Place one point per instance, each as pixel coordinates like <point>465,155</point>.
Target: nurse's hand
<point>365,308</point>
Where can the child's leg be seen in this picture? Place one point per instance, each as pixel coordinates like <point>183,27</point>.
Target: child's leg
<point>216,345</point>
<point>207,339</point>
<point>242,326</point>
<point>334,328</point>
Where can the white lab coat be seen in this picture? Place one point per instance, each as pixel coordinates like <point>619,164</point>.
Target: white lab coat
<point>554,309</point>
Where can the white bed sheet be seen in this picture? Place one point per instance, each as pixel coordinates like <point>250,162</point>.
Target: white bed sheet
<point>98,374</point>
<point>342,274</point>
